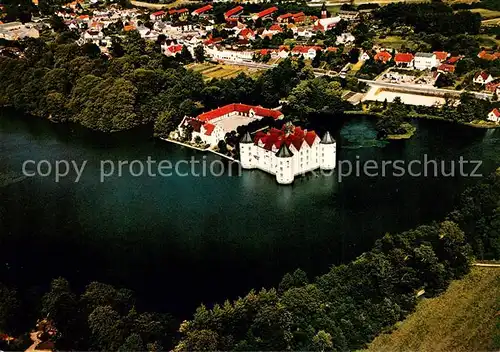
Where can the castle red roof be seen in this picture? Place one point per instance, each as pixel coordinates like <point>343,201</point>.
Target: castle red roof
<point>233,11</point>
<point>276,138</point>
<point>209,128</point>
<point>243,108</point>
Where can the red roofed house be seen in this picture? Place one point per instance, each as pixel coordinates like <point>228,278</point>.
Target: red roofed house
<point>172,50</point>
<point>383,56</point>
<point>266,13</point>
<point>307,52</point>
<point>494,116</point>
<point>493,86</point>
<point>404,59</point>
<point>487,56</point>
<point>482,78</point>
<point>234,12</point>
<point>158,15</point>
<point>446,68</point>
<point>201,10</point>
<point>213,125</point>
<point>299,17</point>
<point>286,18</point>
<point>441,55</point>
<point>287,152</point>
<point>246,33</point>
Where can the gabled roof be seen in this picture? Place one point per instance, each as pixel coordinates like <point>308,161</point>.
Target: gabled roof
<point>404,57</point>
<point>233,11</point>
<point>441,55</point>
<point>483,74</point>
<point>426,55</point>
<point>267,12</point>
<point>209,128</point>
<point>284,17</point>
<point>276,27</point>
<point>383,56</point>
<point>158,13</point>
<point>227,109</point>
<point>203,9</point>
<point>495,112</point>
<point>327,139</point>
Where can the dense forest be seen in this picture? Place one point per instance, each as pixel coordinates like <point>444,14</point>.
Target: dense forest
<point>65,82</point>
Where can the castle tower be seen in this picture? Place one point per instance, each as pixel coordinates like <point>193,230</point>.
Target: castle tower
<point>284,167</point>
<point>246,145</point>
<point>324,13</point>
<point>328,152</point>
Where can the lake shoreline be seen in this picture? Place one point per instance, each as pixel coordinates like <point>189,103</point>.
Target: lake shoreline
<point>426,117</point>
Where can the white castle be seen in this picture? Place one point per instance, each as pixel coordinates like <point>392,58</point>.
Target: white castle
<point>288,152</point>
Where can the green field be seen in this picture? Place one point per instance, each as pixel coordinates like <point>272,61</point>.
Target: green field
<point>487,14</point>
<point>210,71</point>
<point>464,318</point>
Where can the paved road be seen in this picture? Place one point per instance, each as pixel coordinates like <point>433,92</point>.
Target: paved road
<point>491,265</point>
<point>414,88</point>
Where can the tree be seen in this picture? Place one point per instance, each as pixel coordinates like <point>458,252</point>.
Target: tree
<point>185,56</point>
<point>9,305</point>
<point>322,341</point>
<point>199,53</point>
<point>132,343</point>
<point>106,327</point>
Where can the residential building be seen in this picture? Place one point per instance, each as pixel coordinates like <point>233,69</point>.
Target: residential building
<point>494,116</point>
<point>425,61</point>
<point>345,38</point>
<point>212,126</point>
<point>158,15</point>
<point>307,52</point>
<point>482,78</point>
<point>404,59</point>
<point>324,24</point>
<point>287,152</point>
<point>201,10</point>
<point>234,12</point>
<point>383,56</point>
<point>220,53</point>
<point>365,56</point>
<point>265,14</point>
<point>441,56</point>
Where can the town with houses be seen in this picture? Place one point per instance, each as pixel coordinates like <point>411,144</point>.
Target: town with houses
<point>256,36</point>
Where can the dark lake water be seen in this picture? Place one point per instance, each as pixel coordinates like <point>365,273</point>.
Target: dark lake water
<point>180,241</point>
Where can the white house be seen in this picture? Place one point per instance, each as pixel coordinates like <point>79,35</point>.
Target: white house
<point>288,152</point>
<point>219,53</point>
<point>494,116</point>
<point>364,57</point>
<point>483,78</point>
<point>212,126</point>
<point>345,38</point>
<point>425,61</point>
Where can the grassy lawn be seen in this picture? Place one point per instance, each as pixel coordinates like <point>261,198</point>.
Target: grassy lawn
<point>225,71</point>
<point>357,66</point>
<point>487,40</point>
<point>461,319</point>
<point>487,14</point>
<point>395,42</point>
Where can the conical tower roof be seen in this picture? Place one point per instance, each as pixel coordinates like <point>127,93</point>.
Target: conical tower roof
<point>246,138</point>
<point>327,139</point>
<point>284,151</point>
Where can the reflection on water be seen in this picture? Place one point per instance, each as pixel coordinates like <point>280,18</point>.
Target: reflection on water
<point>360,134</point>
<point>7,178</point>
